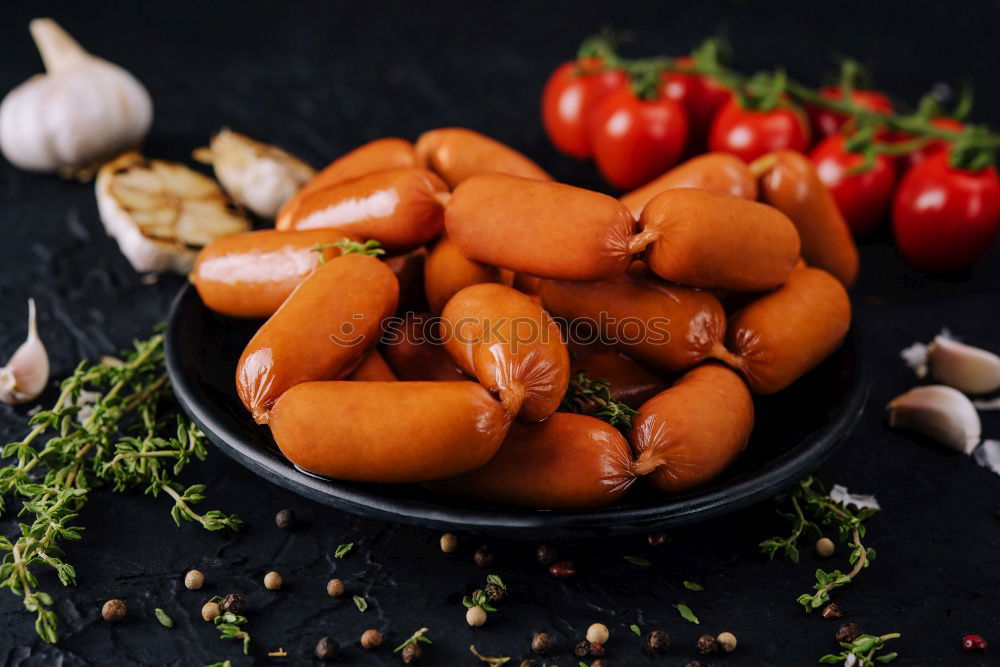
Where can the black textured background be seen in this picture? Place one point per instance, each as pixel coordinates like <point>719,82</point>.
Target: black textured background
<point>321,78</point>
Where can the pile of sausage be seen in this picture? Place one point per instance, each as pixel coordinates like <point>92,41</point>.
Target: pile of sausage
<point>747,265</point>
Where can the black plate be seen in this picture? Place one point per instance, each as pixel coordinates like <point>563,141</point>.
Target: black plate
<point>796,431</point>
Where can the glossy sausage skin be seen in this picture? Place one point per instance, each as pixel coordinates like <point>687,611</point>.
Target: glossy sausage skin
<point>668,327</point>
<point>409,270</point>
<point>511,345</point>
<point>414,349</point>
<point>784,334</point>
<point>400,208</point>
<point>447,271</point>
<point>703,239</point>
<point>373,369</point>
<point>541,228</point>
<point>717,172</point>
<point>321,332</point>
<point>456,154</point>
<point>568,461</point>
<point>631,383</point>
<point>789,183</point>
<point>685,436</point>
<point>388,431</point>
<point>251,274</point>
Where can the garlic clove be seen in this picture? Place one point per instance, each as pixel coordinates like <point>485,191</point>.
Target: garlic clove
<point>939,412</point>
<point>26,374</point>
<point>162,212</point>
<point>256,175</point>
<point>967,368</point>
<point>840,494</point>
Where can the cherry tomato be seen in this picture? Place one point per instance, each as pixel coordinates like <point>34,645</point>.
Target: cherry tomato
<point>930,148</point>
<point>749,133</point>
<point>636,140</point>
<point>570,96</point>
<point>945,219</point>
<point>826,122</point>
<point>863,199</point>
<point>701,97</point>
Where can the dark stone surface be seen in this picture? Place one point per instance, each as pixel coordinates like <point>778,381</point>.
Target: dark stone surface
<point>319,79</point>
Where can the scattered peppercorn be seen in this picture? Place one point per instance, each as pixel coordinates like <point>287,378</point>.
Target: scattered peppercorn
<point>824,547</point>
<point>232,603</point>
<point>562,569</point>
<point>272,581</point>
<point>597,633</point>
<point>831,611</point>
<point>656,538</point>
<point>597,650</point>
<point>113,611</point>
<point>210,610</point>
<point>495,592</point>
<point>847,632</point>
<point>449,542</point>
<point>707,644</point>
<point>475,616</point>
<point>483,557</point>
<point>726,641</point>
<point>600,663</point>
<point>194,580</point>
<point>371,639</point>
<point>285,519</point>
<point>973,643</point>
<point>335,588</point>
<point>541,643</point>
<point>582,649</point>
<point>546,554</point>
<point>658,641</point>
<point>326,649</point>
<point>412,653</point>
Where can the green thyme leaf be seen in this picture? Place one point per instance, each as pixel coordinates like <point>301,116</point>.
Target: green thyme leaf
<point>343,550</point>
<point>360,603</point>
<point>636,560</point>
<point>692,586</point>
<point>163,618</point>
<point>687,614</point>
<point>635,629</point>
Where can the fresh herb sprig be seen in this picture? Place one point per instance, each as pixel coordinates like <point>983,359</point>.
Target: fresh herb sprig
<point>418,636</point>
<point>113,423</point>
<point>230,626</point>
<point>862,652</point>
<point>370,247</point>
<point>584,392</point>
<point>494,590</point>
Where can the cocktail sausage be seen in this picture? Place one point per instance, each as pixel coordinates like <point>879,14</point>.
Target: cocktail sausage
<point>717,172</point>
<point>414,349</point>
<point>447,271</point>
<point>456,154</point>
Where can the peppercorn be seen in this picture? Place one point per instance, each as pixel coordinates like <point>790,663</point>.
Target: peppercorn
<point>113,611</point>
<point>726,641</point>
<point>831,611</point>
<point>597,633</point>
<point>475,616</point>
<point>232,603</point>
<point>597,650</point>
<point>371,639</point>
<point>449,542</point>
<point>335,588</point>
<point>483,557</point>
<point>194,580</point>
<point>412,653</point>
<point>210,610</point>
<point>657,538</point>
<point>326,649</point>
<point>847,632</point>
<point>707,644</point>
<point>285,519</point>
<point>562,569</point>
<point>658,641</point>
<point>272,581</point>
<point>546,554</point>
<point>541,643</point>
<point>495,592</point>
<point>824,547</point>
<point>973,643</point>
<point>582,649</point>
<point>600,663</point>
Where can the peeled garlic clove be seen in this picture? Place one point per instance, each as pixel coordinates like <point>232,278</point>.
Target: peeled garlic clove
<point>162,212</point>
<point>256,175</point>
<point>26,374</point>
<point>969,369</point>
<point>939,412</point>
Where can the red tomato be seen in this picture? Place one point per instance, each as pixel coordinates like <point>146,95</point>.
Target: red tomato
<point>636,140</point>
<point>748,133</point>
<point>570,96</point>
<point>863,199</point>
<point>701,97</point>
<point>826,122</point>
<point>928,149</point>
<point>945,219</point>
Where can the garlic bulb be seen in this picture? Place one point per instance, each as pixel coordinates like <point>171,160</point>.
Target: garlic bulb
<point>82,111</point>
<point>939,412</point>
<point>26,374</point>
<point>969,369</point>
<point>256,175</point>
<point>162,212</point>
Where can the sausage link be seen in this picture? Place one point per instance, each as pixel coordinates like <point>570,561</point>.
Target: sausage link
<point>704,239</point>
<point>789,183</point>
<point>400,208</point>
<point>321,332</point>
<point>541,228</point>
<point>567,461</point>
<point>373,369</point>
<point>447,271</point>
<point>388,431</point>
<point>415,350</point>
<point>251,274</point>
<point>456,154</point>
<point>631,383</point>
<point>668,327</point>
<point>409,270</point>
<point>716,172</point>
<point>783,335</point>
<point>685,436</point>
<point>511,345</point>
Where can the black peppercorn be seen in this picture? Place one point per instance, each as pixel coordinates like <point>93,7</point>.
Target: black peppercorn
<point>847,632</point>
<point>831,611</point>
<point>547,554</point>
<point>541,643</point>
<point>495,592</point>
<point>412,653</point>
<point>562,569</point>
<point>597,650</point>
<point>232,603</point>
<point>326,649</point>
<point>582,649</point>
<point>658,641</point>
<point>285,519</point>
<point>707,644</point>
<point>483,557</point>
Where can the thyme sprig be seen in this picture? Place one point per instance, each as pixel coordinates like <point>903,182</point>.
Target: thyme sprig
<point>862,652</point>
<point>113,423</point>
<point>230,625</point>
<point>418,636</point>
<point>584,392</point>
